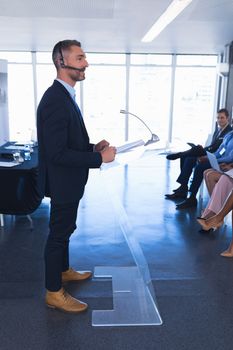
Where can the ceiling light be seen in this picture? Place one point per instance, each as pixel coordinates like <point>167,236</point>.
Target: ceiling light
<point>173,10</point>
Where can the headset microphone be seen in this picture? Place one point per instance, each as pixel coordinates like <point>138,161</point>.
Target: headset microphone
<point>70,67</point>
<point>62,64</point>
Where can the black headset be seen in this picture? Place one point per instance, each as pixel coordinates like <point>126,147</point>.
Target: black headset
<point>62,63</point>
<point>61,55</point>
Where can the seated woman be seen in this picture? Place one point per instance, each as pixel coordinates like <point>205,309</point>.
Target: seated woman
<point>213,215</point>
<point>218,197</point>
<point>211,177</point>
<point>221,191</point>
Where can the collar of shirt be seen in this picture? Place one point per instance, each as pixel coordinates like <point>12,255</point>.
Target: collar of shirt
<point>68,87</point>
<point>221,129</point>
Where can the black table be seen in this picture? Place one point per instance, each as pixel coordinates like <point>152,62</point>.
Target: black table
<point>18,185</point>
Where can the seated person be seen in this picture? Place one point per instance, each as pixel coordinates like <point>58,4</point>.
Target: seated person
<point>223,127</point>
<point>220,194</point>
<point>212,176</point>
<point>224,154</point>
<point>216,220</point>
<point>218,197</point>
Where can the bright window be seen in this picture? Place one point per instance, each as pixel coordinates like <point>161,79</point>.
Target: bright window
<point>21,101</point>
<point>149,98</point>
<point>44,57</point>
<point>16,57</point>
<point>106,91</point>
<point>193,104</point>
<point>143,59</point>
<point>107,58</point>
<point>196,60</point>
<point>45,76</point>
<point>104,96</point>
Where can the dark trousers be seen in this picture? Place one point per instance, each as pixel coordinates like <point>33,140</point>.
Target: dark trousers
<point>62,224</point>
<point>189,164</point>
<point>194,152</point>
<point>198,176</point>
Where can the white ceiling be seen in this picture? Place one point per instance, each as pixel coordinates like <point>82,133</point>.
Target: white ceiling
<point>206,26</point>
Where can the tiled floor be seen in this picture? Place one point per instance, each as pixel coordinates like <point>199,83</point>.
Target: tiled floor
<point>193,283</point>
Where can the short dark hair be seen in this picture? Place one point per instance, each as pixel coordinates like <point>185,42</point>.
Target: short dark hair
<point>225,111</point>
<point>60,47</point>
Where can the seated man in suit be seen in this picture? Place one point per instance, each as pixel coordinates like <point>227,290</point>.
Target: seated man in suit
<point>199,151</point>
<point>223,127</point>
<point>224,154</point>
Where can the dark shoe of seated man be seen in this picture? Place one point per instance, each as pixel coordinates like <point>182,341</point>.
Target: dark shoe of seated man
<point>196,151</point>
<point>181,188</point>
<point>190,202</point>
<point>179,193</point>
<point>174,156</point>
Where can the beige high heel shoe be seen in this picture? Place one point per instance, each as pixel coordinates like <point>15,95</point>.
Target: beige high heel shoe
<point>207,226</point>
<point>227,254</point>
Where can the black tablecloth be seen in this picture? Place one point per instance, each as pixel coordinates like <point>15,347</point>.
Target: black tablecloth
<point>18,185</point>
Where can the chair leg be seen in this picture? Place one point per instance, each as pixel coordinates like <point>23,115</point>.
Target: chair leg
<point>2,220</point>
<point>230,248</point>
<point>28,217</point>
<point>201,196</point>
<point>31,222</point>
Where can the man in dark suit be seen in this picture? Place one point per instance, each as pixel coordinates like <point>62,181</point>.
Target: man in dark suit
<point>189,158</point>
<point>65,156</point>
<point>222,128</point>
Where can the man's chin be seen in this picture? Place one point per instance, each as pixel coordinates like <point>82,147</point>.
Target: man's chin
<point>80,78</point>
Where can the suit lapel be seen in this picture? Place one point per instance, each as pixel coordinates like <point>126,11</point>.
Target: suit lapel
<point>220,133</point>
<point>224,131</point>
<point>79,114</point>
<point>215,135</point>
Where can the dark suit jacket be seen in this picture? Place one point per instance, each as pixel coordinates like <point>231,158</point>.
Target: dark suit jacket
<point>217,139</point>
<point>65,153</point>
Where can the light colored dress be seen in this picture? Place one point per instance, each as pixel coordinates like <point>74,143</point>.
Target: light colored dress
<point>221,191</point>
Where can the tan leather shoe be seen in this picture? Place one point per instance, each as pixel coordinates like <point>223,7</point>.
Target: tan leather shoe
<point>63,301</point>
<point>72,275</point>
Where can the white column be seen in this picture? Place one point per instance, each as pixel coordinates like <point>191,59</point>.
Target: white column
<point>4,120</point>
